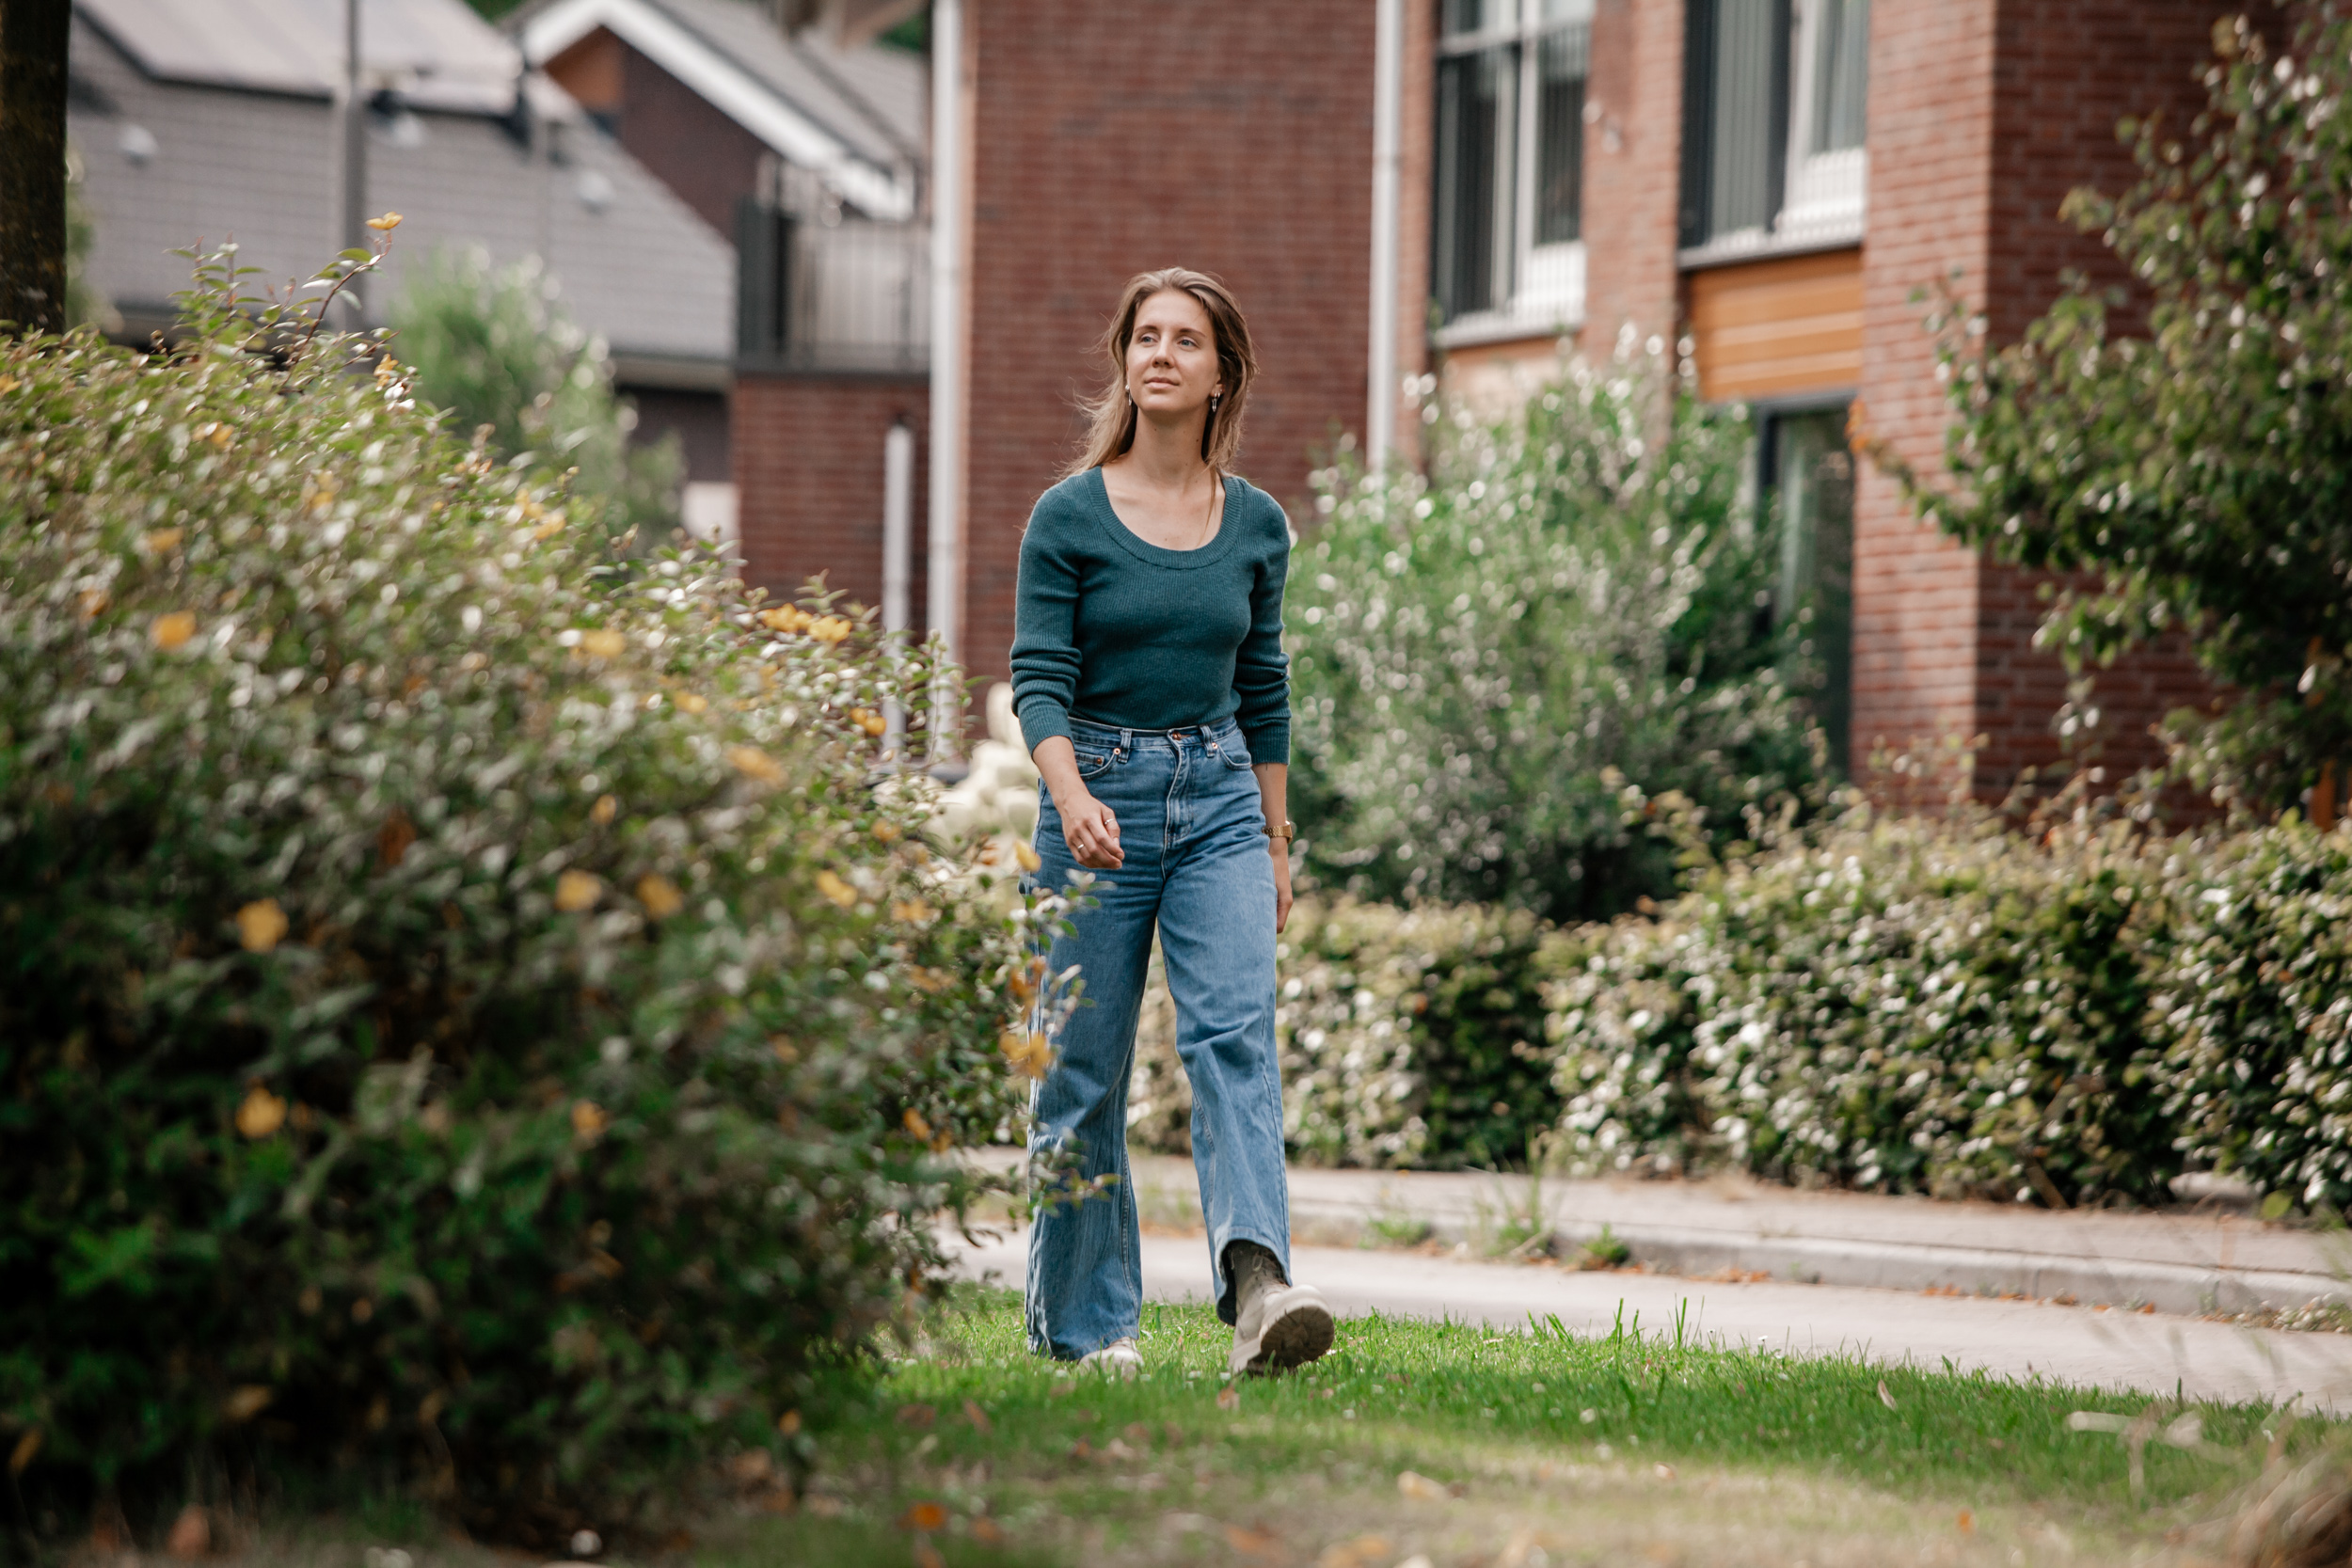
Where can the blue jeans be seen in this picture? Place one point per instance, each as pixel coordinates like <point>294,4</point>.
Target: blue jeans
<point>1197,866</point>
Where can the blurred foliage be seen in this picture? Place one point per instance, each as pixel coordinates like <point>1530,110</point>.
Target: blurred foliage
<point>2201,476</point>
<point>2073,1012</point>
<point>1575,599</point>
<point>473,1011</point>
<point>1408,1036</point>
<point>493,346</point>
<point>86,305</point>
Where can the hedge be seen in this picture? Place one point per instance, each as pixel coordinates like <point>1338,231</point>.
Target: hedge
<point>1954,1007</point>
<point>1408,1037</point>
<point>469,1010</point>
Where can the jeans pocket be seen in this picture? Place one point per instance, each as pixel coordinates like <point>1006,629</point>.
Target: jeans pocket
<point>1236,756</point>
<point>1094,764</point>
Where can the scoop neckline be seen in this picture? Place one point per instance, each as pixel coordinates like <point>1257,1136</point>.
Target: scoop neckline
<point>1160,555</point>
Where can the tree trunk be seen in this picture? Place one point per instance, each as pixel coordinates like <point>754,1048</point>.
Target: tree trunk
<point>33,35</point>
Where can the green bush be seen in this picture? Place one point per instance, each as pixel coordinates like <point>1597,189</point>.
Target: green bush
<point>1408,1037</point>
<point>2067,1015</point>
<point>461,1015</point>
<point>1572,595</point>
<point>495,347</point>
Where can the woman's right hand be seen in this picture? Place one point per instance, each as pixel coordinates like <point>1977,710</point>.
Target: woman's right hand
<point>1091,830</point>
<point>1087,824</point>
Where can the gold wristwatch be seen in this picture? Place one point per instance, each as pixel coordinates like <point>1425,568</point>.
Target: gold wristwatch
<point>1286,832</point>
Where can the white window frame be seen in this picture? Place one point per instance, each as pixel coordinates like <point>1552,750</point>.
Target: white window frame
<point>1824,194</point>
<point>1545,290</point>
<point>1826,191</point>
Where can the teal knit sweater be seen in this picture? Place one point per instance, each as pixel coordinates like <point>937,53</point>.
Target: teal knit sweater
<point>1112,629</point>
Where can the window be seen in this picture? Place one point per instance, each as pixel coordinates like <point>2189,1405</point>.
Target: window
<point>1510,163</point>
<point>1808,467</point>
<point>1773,95</point>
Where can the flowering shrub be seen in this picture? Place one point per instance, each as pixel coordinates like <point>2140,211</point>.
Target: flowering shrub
<point>459,1012</point>
<point>1574,590</point>
<point>1408,1036</point>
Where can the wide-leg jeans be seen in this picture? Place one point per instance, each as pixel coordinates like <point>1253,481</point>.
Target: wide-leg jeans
<point>1196,868</point>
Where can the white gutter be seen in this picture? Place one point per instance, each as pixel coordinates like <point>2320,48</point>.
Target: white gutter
<point>898,539</point>
<point>728,88</point>
<point>948,355</point>
<point>1388,112</point>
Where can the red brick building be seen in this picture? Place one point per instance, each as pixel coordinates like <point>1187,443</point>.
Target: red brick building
<point>1771,182</point>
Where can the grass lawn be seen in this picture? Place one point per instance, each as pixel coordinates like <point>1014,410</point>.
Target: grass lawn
<point>1466,1446</point>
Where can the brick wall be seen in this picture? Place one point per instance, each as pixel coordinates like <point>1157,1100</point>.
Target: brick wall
<point>1632,171</point>
<point>2064,75</point>
<point>1931,136</point>
<point>1230,135</point>
<point>1982,117</point>
<point>701,154</point>
<point>809,474</point>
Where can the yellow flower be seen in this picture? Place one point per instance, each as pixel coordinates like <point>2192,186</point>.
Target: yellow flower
<point>785,618</point>
<point>912,912</point>
<point>916,1125</point>
<point>603,811</point>
<point>929,981</point>
<point>660,896</point>
<point>386,224</point>
<point>261,926</point>
<point>261,1114</point>
<point>94,602</point>
<point>829,628</point>
<point>576,891</point>
<point>548,530</point>
<point>885,831</point>
<point>160,540</point>
<point>1028,1052</point>
<point>1026,854</point>
<point>172,629</point>
<point>246,1402</point>
<point>603,643</point>
<point>588,1120</point>
<point>755,765</point>
<point>835,889</point>
<point>692,702</point>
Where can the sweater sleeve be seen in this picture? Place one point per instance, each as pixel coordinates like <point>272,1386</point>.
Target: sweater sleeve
<point>1261,668</point>
<point>1044,632</point>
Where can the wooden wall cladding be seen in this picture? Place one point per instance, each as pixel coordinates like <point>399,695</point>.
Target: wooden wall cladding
<point>1771,329</point>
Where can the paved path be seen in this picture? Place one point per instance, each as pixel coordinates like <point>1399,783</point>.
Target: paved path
<point>2081,1345</point>
<point>2181,1261</point>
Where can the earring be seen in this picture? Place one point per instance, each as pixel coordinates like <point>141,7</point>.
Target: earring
<point>1215,398</point>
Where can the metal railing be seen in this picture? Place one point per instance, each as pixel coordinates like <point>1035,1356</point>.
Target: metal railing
<point>852,296</point>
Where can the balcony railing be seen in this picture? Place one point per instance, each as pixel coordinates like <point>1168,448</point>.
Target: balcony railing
<point>848,297</point>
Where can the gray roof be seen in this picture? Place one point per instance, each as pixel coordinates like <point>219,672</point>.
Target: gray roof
<point>872,97</point>
<point>174,158</point>
<point>437,55</point>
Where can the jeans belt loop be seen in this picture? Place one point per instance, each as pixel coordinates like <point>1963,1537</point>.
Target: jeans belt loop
<point>1127,741</point>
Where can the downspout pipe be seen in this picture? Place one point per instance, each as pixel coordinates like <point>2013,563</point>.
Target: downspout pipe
<point>898,539</point>
<point>1387,114</point>
<point>949,202</point>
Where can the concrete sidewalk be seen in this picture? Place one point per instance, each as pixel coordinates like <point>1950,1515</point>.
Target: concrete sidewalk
<point>2214,1260</point>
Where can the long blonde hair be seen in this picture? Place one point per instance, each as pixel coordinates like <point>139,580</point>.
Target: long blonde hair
<point>1112,417</point>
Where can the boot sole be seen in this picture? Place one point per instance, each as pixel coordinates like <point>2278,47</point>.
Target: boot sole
<point>1297,1336</point>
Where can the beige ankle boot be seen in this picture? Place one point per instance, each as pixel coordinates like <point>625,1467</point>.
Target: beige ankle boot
<point>1276,1326</point>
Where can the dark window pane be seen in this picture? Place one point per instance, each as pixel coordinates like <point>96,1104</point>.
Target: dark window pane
<point>1841,75</point>
<point>1813,470</point>
<point>1474,114</point>
<point>1735,132</point>
<point>1560,65</point>
<point>1750,122</point>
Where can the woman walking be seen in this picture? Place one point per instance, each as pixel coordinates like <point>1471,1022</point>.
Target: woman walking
<point>1149,674</point>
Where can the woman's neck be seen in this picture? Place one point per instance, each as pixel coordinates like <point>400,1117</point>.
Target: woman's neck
<point>1167,456</point>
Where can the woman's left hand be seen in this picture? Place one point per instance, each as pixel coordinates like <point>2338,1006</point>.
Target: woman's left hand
<point>1281,848</point>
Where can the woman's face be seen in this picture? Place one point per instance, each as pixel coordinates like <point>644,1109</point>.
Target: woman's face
<point>1172,359</point>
